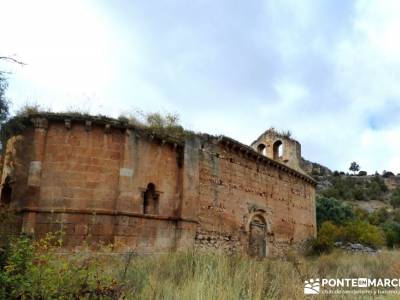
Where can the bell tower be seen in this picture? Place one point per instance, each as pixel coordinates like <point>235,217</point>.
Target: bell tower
<point>280,147</point>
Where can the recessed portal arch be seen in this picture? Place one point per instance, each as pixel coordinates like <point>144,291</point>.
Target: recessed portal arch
<point>257,236</point>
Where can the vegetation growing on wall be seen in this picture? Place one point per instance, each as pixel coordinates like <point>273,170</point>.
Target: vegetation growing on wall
<point>163,125</point>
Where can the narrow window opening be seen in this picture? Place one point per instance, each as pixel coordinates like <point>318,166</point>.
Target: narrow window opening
<point>150,200</point>
<point>278,150</point>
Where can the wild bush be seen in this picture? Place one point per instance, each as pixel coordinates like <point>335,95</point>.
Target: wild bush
<point>392,233</point>
<point>330,209</point>
<point>36,270</point>
<point>395,198</point>
<point>379,216</point>
<point>328,233</point>
<point>364,233</point>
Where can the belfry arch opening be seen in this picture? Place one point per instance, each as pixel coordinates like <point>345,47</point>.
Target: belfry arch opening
<point>150,200</point>
<point>261,148</point>
<point>278,149</point>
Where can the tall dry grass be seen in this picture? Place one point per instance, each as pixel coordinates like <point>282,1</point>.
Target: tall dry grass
<point>201,276</point>
<point>40,270</point>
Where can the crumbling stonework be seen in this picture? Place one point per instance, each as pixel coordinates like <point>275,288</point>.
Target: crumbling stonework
<point>99,179</point>
<point>280,147</point>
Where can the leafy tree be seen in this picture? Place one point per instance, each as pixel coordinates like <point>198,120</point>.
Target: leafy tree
<point>396,215</point>
<point>358,193</point>
<point>387,174</point>
<point>3,100</point>
<point>373,190</point>
<point>379,216</point>
<point>354,167</point>
<point>395,198</point>
<point>361,214</point>
<point>364,233</point>
<point>381,183</point>
<point>330,209</point>
<point>327,235</point>
<point>392,233</point>
<point>4,104</point>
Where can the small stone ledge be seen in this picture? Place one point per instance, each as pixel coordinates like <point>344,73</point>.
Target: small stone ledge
<point>104,212</point>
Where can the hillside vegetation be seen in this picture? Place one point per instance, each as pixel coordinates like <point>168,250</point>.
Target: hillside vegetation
<point>347,209</point>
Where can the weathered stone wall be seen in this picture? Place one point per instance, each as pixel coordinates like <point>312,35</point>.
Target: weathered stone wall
<point>16,161</point>
<point>80,168</point>
<point>90,182</point>
<point>234,187</point>
<point>117,184</point>
<point>17,158</point>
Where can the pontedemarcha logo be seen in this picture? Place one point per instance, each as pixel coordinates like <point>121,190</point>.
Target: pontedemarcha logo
<point>312,286</point>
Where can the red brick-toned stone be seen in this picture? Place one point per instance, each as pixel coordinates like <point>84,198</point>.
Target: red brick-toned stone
<point>209,193</point>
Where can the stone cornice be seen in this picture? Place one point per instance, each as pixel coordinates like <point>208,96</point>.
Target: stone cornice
<point>252,154</point>
<point>89,121</point>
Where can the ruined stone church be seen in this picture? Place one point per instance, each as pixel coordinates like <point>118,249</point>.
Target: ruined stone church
<point>104,180</point>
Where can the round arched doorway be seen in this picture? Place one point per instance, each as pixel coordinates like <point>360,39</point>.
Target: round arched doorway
<point>257,237</point>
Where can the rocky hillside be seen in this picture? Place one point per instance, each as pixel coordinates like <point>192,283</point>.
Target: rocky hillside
<point>369,192</point>
<point>313,168</point>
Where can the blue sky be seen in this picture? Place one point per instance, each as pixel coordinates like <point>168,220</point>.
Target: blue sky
<point>326,70</point>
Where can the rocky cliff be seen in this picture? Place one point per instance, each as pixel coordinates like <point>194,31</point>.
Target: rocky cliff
<point>313,168</point>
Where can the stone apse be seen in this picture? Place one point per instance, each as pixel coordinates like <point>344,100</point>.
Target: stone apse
<point>103,180</point>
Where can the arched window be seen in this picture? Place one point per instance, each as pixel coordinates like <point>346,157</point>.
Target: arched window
<point>278,149</point>
<point>150,200</point>
<point>6,192</point>
<point>261,149</point>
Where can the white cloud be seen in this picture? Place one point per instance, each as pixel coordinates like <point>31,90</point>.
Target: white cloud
<point>326,70</point>
<point>66,46</point>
